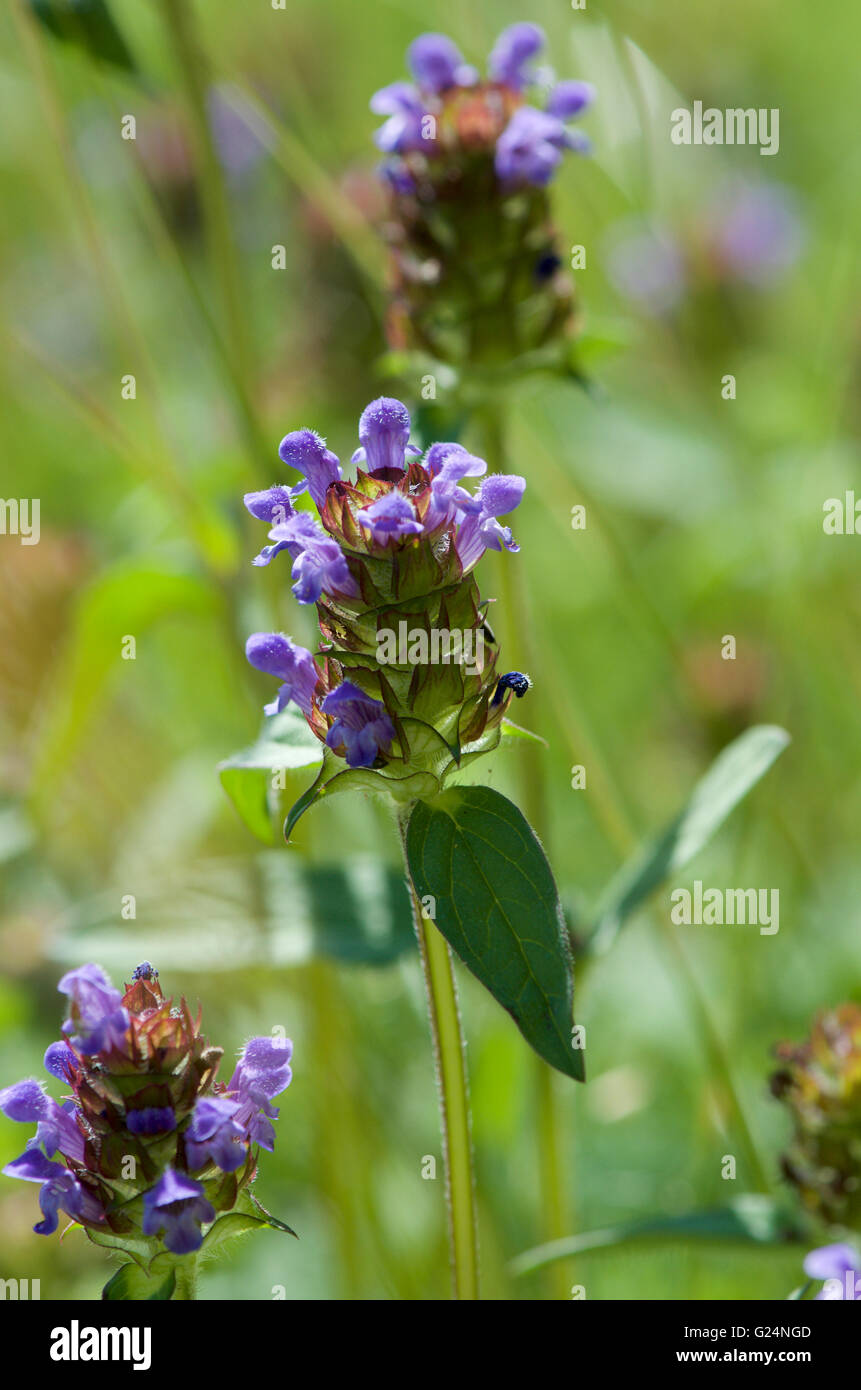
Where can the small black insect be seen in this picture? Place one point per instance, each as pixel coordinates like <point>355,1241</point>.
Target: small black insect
<point>517,681</point>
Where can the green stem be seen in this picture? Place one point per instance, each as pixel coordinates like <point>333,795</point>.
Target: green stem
<point>186,1279</point>
<point>452,1088</point>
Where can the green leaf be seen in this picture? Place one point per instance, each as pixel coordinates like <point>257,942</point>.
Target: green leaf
<point>89,25</point>
<point>731,776</point>
<point>497,906</point>
<point>512,730</point>
<point>286,743</point>
<point>251,1217</point>
<point>132,1283</point>
<point>749,1219</point>
<point>235,1223</point>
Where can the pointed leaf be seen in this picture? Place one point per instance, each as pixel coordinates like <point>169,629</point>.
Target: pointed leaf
<point>133,1283</point>
<point>497,906</point>
<point>729,779</point>
<point>751,1218</point>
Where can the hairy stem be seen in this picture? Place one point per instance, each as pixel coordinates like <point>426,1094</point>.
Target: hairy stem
<point>186,1279</point>
<point>452,1089</point>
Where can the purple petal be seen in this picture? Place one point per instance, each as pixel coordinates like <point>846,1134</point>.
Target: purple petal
<point>384,433</point>
<point>831,1261</point>
<point>390,517</point>
<point>569,99</point>
<point>273,505</point>
<point>512,54</point>
<point>276,655</point>
<point>362,726</point>
<point>437,63</point>
<point>501,493</point>
<point>307,452</point>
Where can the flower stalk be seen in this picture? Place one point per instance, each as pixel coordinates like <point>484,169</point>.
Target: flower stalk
<point>452,1087</point>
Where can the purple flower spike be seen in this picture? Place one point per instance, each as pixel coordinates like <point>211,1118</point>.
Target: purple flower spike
<point>510,60</point>
<point>307,452</point>
<point>405,109</point>
<point>214,1134</point>
<point>570,99</point>
<point>437,63</point>
<point>840,1266</point>
<point>384,434</point>
<point>96,1009</point>
<point>276,655</point>
<point>60,1190</point>
<point>529,150</point>
<point>56,1128</point>
<point>390,518</point>
<point>361,725</point>
<point>177,1206</point>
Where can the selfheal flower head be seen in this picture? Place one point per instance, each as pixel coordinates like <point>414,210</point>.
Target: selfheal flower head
<point>467,168</point>
<point>389,567</point>
<point>819,1080</point>
<point>150,1095</point>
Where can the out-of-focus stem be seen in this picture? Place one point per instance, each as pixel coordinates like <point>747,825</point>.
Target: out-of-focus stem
<point>452,1088</point>
<point>179,20</point>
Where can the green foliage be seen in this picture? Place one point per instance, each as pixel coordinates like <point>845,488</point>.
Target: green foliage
<point>496,904</point>
<point>749,1219</point>
<point>729,779</point>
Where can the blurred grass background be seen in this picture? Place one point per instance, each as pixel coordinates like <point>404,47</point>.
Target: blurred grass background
<point>153,258</point>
